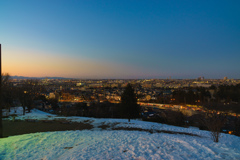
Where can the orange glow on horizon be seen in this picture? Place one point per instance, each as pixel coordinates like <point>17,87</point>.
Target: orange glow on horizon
<point>36,64</point>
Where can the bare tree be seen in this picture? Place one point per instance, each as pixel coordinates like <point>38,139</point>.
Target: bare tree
<point>214,122</point>
<point>7,92</point>
<point>27,93</point>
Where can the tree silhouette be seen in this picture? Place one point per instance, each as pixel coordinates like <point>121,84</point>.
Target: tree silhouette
<point>7,92</point>
<point>129,107</point>
<point>27,93</point>
<point>214,123</point>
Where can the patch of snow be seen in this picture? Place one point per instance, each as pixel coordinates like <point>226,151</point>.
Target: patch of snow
<point>66,145</point>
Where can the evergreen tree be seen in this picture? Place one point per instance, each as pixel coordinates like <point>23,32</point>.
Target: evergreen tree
<point>129,107</point>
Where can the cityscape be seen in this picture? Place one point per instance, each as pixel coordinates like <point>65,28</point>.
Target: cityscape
<point>75,90</point>
<point>151,94</point>
<point>129,79</point>
<point>186,103</point>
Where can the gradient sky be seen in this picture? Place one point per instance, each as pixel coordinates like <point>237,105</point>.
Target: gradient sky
<point>121,38</point>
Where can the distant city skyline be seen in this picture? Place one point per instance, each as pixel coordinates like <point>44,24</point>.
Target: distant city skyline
<point>127,39</point>
<point>166,78</point>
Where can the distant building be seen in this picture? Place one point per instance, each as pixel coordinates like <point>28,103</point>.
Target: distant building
<point>52,95</point>
<point>200,78</point>
<point>80,84</point>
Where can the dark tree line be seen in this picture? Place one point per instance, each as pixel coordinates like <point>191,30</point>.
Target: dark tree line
<point>226,98</point>
<point>97,110</point>
<point>191,96</point>
<point>128,108</point>
<point>7,91</point>
<point>27,93</point>
<point>228,93</point>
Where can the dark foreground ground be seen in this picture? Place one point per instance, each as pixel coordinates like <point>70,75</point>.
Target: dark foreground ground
<point>11,128</point>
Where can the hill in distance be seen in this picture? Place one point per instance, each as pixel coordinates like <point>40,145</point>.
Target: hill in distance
<point>22,77</point>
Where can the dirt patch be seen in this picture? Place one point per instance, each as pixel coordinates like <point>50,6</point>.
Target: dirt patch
<point>104,126</point>
<point>155,131</point>
<point>109,125</point>
<point>88,121</point>
<point>11,128</point>
<point>24,127</point>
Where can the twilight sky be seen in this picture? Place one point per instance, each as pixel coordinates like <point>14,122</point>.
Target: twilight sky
<point>121,38</point>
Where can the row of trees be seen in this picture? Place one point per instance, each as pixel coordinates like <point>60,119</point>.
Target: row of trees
<point>26,93</point>
<point>228,93</point>
<point>128,108</point>
<point>222,93</point>
<point>191,96</point>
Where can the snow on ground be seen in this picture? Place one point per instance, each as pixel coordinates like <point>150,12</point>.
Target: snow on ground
<point>111,144</point>
<point>65,145</point>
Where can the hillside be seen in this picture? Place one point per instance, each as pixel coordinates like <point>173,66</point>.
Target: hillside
<point>103,141</point>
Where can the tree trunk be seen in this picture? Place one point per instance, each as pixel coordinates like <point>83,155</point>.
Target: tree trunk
<point>29,109</point>
<point>23,110</point>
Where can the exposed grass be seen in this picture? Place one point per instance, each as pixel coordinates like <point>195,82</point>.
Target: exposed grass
<point>108,125</point>
<point>11,128</point>
<point>88,121</point>
<point>104,126</point>
<point>155,131</point>
<point>24,127</point>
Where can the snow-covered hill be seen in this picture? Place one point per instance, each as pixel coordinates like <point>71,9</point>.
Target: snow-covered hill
<point>111,144</point>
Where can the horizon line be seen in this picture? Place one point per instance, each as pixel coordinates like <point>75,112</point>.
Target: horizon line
<point>168,78</point>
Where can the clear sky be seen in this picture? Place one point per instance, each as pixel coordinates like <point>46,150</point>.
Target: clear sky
<point>121,38</point>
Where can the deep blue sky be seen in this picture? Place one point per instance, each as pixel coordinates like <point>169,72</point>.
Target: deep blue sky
<point>121,38</point>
